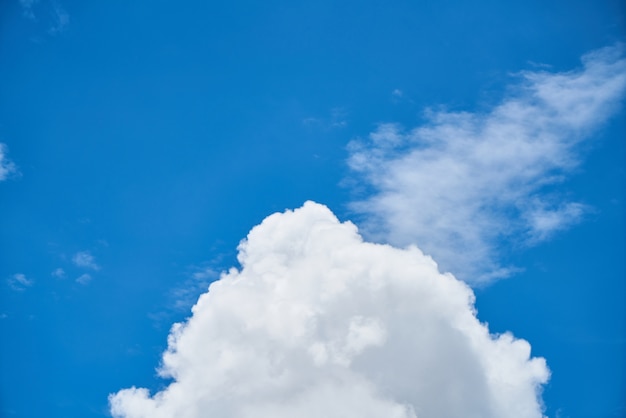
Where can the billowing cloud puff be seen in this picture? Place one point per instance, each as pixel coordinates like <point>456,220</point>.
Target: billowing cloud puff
<point>462,182</point>
<point>319,323</point>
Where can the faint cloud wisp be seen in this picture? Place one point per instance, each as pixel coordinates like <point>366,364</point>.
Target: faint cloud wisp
<point>183,296</point>
<point>186,295</point>
<point>338,118</point>
<point>19,282</point>
<point>59,273</point>
<point>84,279</point>
<point>60,19</point>
<point>47,12</point>
<point>7,167</point>
<point>27,8</point>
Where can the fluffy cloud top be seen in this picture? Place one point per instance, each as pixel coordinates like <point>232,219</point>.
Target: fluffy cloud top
<point>460,183</point>
<point>319,323</point>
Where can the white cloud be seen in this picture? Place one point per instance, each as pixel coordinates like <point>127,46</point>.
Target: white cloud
<point>58,273</point>
<point>319,323</point>
<point>463,182</point>
<point>83,279</point>
<point>84,259</point>
<point>7,167</point>
<point>19,282</point>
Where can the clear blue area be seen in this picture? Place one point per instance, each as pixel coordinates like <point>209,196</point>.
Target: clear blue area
<point>155,134</point>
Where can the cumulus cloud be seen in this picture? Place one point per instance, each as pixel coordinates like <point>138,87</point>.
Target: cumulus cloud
<point>19,282</point>
<point>462,182</point>
<point>7,167</point>
<point>319,323</point>
<point>84,259</point>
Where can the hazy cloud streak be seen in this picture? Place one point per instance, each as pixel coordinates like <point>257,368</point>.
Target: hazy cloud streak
<point>462,182</point>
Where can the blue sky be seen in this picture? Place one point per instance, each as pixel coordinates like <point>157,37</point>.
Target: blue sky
<point>142,141</point>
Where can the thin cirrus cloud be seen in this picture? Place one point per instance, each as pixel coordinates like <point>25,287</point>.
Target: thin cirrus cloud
<point>84,259</point>
<point>319,323</point>
<point>464,182</point>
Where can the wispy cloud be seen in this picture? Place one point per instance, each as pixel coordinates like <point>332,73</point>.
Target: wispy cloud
<point>319,323</point>
<point>27,7</point>
<point>544,220</point>
<point>338,118</point>
<point>59,20</point>
<point>185,295</point>
<point>84,259</point>
<point>47,12</point>
<point>7,167</point>
<point>84,279</point>
<point>59,273</point>
<point>462,182</point>
<point>19,282</point>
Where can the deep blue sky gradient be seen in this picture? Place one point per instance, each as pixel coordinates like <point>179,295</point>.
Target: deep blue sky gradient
<point>156,134</point>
